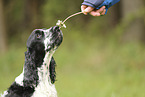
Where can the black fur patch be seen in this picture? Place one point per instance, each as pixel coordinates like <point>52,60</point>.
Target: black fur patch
<point>31,78</point>
<point>52,70</point>
<point>32,62</point>
<point>19,91</point>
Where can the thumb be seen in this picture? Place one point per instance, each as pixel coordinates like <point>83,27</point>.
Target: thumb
<point>88,9</point>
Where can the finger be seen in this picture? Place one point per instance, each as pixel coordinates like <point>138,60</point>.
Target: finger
<point>98,12</point>
<point>94,13</point>
<point>83,7</point>
<point>103,13</point>
<point>101,9</point>
<point>89,9</point>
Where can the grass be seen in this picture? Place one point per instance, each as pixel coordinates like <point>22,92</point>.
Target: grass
<point>87,84</point>
<point>98,70</point>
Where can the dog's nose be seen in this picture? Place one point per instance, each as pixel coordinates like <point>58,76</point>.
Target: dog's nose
<point>56,28</point>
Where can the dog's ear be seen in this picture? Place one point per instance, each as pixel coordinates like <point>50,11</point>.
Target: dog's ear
<point>36,56</point>
<point>36,40</point>
<point>52,70</point>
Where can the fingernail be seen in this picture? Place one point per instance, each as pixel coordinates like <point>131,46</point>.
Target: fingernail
<point>98,14</point>
<point>86,10</point>
<point>83,11</point>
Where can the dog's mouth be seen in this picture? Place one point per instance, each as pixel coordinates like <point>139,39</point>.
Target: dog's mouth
<point>53,38</point>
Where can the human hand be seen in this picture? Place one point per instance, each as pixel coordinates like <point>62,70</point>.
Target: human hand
<point>94,12</point>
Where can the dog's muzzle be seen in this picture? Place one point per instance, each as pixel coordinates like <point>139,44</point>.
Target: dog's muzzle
<point>54,38</point>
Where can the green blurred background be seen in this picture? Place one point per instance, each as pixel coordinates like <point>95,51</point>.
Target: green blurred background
<point>99,57</point>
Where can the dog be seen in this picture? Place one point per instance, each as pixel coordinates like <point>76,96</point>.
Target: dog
<point>38,76</point>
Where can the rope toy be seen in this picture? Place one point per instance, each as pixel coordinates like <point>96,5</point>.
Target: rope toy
<point>61,23</point>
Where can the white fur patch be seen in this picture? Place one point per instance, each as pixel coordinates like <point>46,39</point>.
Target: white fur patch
<point>19,79</point>
<point>47,39</point>
<point>45,88</point>
<point>3,95</point>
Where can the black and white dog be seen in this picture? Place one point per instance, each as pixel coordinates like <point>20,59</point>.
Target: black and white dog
<point>38,76</point>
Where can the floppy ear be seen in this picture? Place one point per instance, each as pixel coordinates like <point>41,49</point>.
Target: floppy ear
<point>52,70</point>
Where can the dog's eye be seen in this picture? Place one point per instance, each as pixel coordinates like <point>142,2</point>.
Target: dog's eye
<point>38,36</point>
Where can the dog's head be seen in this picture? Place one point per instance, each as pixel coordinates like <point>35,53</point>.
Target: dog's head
<point>45,39</point>
<point>39,64</point>
<point>41,45</point>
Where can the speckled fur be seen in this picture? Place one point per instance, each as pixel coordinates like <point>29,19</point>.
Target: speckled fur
<point>38,76</point>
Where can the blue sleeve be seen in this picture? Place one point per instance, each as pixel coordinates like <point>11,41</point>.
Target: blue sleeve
<point>99,3</point>
<point>93,3</point>
<point>108,3</point>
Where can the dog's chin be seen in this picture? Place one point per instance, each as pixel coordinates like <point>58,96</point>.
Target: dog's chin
<point>56,39</point>
<point>57,42</point>
<point>53,47</point>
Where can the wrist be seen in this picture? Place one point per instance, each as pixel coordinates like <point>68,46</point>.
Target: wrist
<point>93,3</point>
